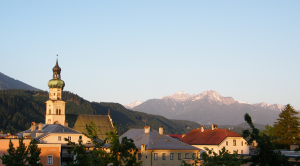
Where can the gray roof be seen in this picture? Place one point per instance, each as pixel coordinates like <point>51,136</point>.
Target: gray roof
<point>52,128</point>
<point>154,140</point>
<point>47,129</point>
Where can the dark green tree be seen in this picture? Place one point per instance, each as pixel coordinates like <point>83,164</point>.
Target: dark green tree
<point>34,154</point>
<point>269,131</point>
<point>286,129</point>
<point>20,156</point>
<point>211,158</point>
<point>267,155</point>
<point>82,156</point>
<point>123,153</point>
<point>15,156</point>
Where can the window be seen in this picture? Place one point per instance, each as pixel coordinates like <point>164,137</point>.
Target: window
<point>49,111</point>
<point>59,112</point>
<point>155,156</point>
<point>49,121</point>
<point>226,143</point>
<point>242,151</point>
<point>69,138</point>
<point>242,143</point>
<point>59,138</point>
<point>56,111</point>
<point>49,160</point>
<point>139,156</point>
<point>194,155</point>
<point>186,155</point>
<point>179,156</point>
<point>234,142</point>
<point>171,156</point>
<point>164,156</point>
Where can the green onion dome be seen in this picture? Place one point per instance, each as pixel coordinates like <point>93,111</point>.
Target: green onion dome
<point>56,83</point>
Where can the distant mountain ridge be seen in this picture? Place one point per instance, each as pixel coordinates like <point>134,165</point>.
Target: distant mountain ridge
<point>7,82</point>
<point>18,108</point>
<point>222,110</point>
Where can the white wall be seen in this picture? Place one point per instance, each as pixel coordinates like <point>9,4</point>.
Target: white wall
<point>53,138</point>
<point>230,147</point>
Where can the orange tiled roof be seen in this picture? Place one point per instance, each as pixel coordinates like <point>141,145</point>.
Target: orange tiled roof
<point>208,137</point>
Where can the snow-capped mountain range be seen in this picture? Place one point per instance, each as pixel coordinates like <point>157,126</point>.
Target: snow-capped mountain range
<point>208,107</point>
<point>211,95</point>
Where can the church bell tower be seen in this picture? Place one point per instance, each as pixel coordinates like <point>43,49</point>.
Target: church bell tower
<point>55,106</point>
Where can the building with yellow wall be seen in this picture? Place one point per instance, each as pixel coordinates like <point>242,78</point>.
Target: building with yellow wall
<point>157,149</point>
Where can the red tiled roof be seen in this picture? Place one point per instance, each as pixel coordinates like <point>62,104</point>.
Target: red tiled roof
<point>208,137</point>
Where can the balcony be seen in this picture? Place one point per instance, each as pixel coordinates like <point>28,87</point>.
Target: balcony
<point>67,155</point>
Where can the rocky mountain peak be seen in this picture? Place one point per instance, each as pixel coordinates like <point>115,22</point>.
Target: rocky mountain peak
<point>212,95</point>
<point>131,105</point>
<point>179,96</point>
<point>276,107</point>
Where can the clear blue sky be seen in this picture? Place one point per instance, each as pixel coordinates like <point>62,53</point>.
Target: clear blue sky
<point>122,51</point>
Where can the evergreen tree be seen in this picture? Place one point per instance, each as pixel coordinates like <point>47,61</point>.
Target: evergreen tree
<point>15,156</point>
<point>22,155</point>
<point>269,130</point>
<point>34,154</point>
<point>267,155</point>
<point>286,128</point>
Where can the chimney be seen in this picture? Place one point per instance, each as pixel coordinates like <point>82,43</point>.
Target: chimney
<point>40,126</point>
<point>213,127</point>
<point>202,129</point>
<point>33,126</point>
<point>147,129</point>
<point>66,123</point>
<point>143,148</point>
<point>161,130</point>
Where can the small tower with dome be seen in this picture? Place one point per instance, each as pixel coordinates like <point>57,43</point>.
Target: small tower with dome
<point>55,106</point>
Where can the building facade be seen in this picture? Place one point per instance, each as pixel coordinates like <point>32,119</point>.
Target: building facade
<point>157,149</point>
<point>216,139</point>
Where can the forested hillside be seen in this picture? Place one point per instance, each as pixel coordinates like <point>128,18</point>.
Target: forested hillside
<point>18,108</point>
<point>7,82</point>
